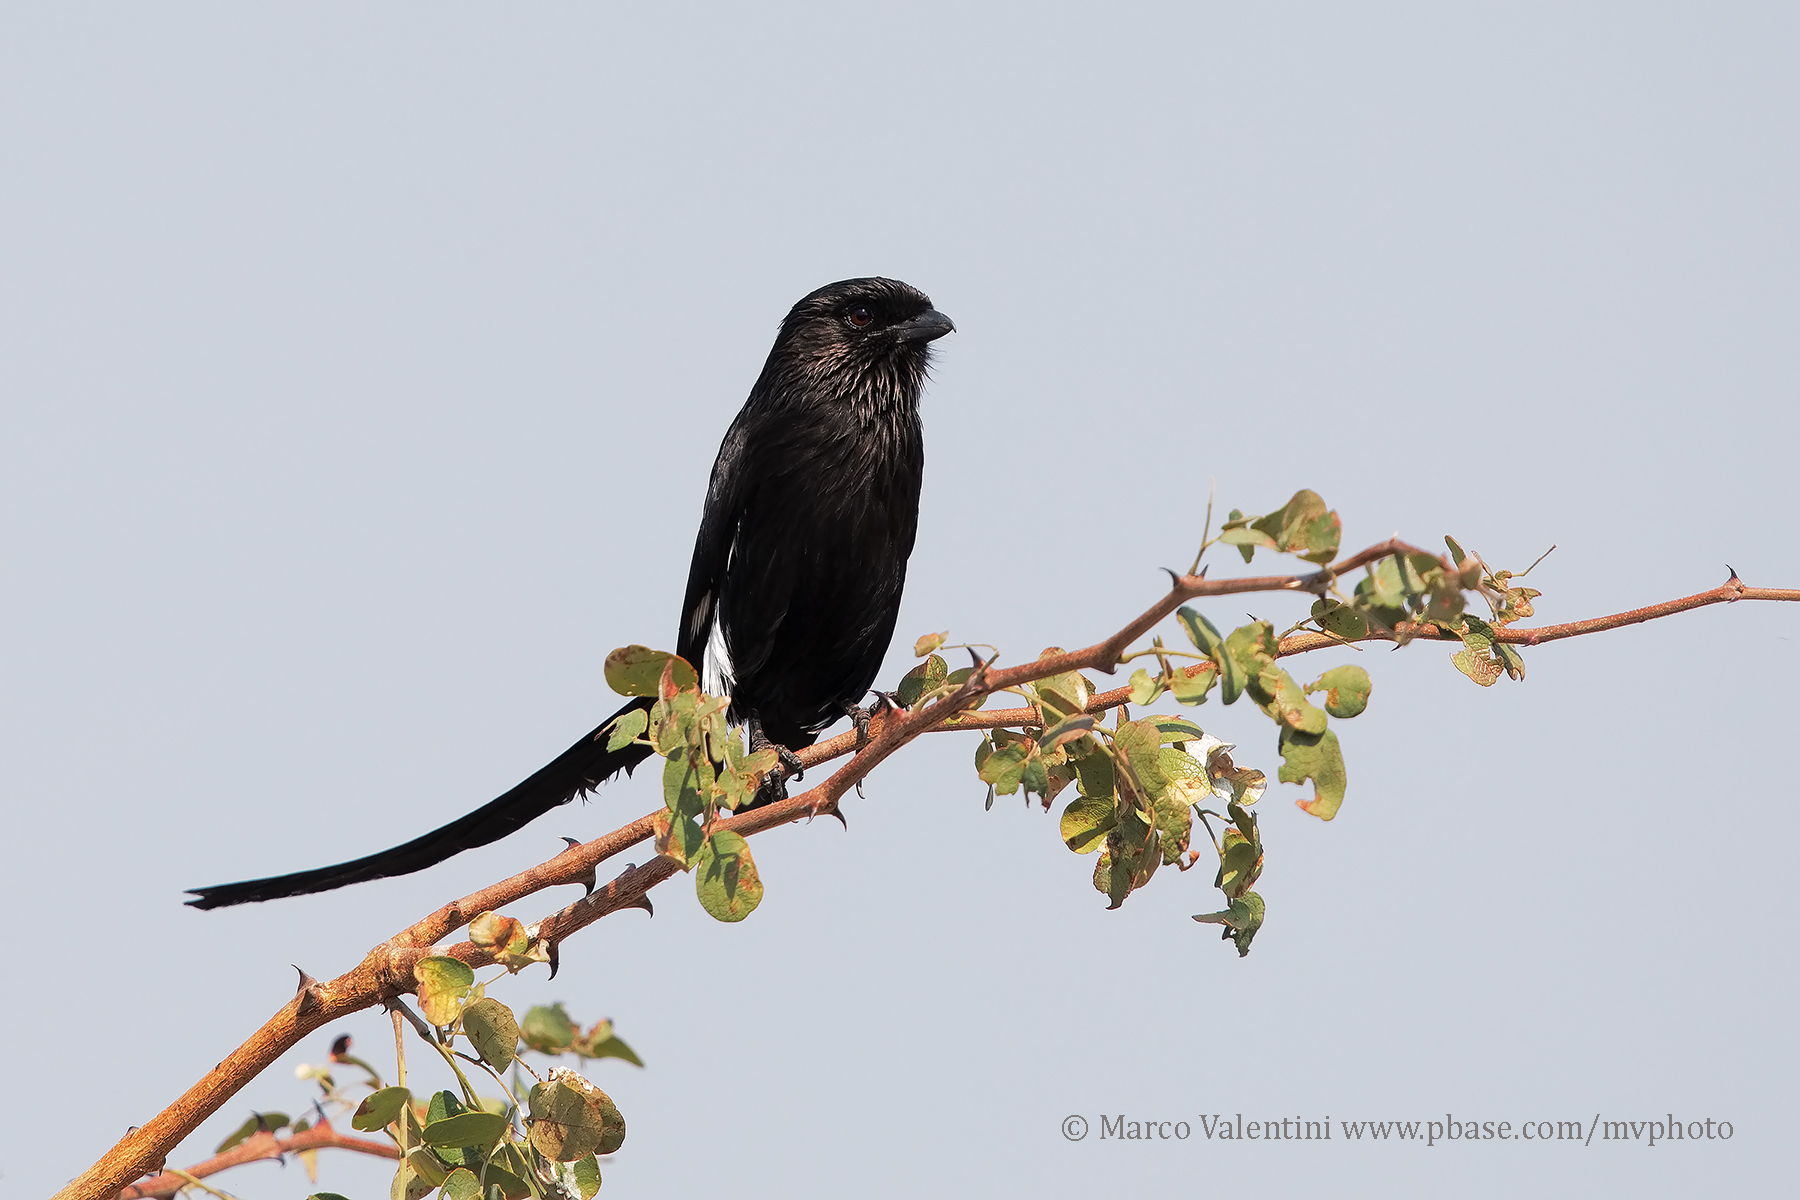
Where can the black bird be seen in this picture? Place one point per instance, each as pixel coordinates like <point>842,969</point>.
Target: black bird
<point>798,566</point>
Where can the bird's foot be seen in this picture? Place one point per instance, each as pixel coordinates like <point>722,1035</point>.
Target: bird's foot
<point>787,766</point>
<point>791,766</point>
<point>860,716</point>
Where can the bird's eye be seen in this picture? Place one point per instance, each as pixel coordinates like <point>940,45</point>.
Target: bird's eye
<point>860,317</point>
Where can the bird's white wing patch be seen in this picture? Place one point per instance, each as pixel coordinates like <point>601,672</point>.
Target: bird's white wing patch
<point>715,675</point>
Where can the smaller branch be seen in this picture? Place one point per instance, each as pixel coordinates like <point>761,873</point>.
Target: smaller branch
<point>1726,593</point>
<point>256,1148</point>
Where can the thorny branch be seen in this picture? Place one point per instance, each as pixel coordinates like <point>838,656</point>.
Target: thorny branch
<point>387,970</point>
<point>256,1148</point>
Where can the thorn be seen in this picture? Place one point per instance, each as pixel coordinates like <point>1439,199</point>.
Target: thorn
<point>643,902</point>
<point>1174,579</point>
<point>1733,571</point>
<point>1204,570</point>
<point>586,881</point>
<point>554,959</point>
<point>831,810</point>
<point>974,658</point>
<point>308,990</point>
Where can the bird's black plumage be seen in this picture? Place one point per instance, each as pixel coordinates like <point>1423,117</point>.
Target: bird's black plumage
<point>798,565</point>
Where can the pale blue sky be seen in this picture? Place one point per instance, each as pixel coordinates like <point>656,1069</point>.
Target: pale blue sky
<point>362,369</point>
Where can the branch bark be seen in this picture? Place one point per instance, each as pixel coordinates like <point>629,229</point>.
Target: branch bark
<point>386,972</point>
<point>256,1148</point>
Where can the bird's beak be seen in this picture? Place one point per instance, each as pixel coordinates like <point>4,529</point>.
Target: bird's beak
<point>925,327</point>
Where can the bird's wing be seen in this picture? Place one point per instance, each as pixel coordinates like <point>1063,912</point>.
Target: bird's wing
<point>699,638</point>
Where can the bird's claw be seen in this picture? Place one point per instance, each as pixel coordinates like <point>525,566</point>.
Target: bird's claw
<point>791,766</point>
<point>884,702</point>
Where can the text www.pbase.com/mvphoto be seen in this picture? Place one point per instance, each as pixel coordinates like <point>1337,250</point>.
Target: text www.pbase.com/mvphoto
<point>1217,1127</point>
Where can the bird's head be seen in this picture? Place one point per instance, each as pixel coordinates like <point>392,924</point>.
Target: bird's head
<point>859,332</point>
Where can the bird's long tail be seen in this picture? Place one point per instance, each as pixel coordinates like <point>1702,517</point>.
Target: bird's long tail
<point>578,770</point>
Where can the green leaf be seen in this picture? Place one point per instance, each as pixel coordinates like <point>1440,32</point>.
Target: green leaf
<point>1145,687</point>
<point>726,882</point>
<point>1301,527</point>
<point>1175,807</point>
<point>547,1030</point>
<point>258,1123</point>
<point>461,1184</point>
<point>638,671</point>
<point>1175,730</point>
<point>491,931</point>
<point>431,1169</point>
<point>1456,551</point>
<point>1318,758</point>
<point>442,1104</point>
<point>1480,666</point>
<point>493,1031</point>
<point>601,1042</point>
<point>1095,771</point>
<point>1241,534</point>
<point>510,1185</point>
<point>465,1129</point>
<point>572,1119</point>
<point>380,1109</point>
<point>921,680</point>
<point>1477,634</point>
<point>587,1176</point>
<point>1004,767</point>
<point>1288,703</point>
<point>1201,632</point>
<point>1065,730</point>
<point>409,1184</point>
<point>1085,824</point>
<point>1241,920</point>
<point>929,642</point>
<point>1246,650</point>
<point>506,939</point>
<point>1063,696</point>
<point>444,983</point>
<point>1346,690</point>
<point>1340,619</point>
<point>1192,689</point>
<point>1239,865</point>
<point>1131,850</point>
<point>1484,657</point>
<point>1140,743</point>
<point>445,1104</point>
<point>679,839</point>
<point>688,782</point>
<point>1233,521</point>
<point>626,728</point>
<point>1034,776</point>
<point>1103,874</point>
